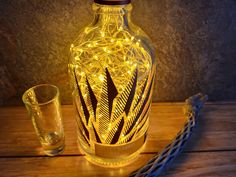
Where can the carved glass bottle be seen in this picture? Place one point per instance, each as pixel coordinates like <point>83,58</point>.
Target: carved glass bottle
<point>112,68</point>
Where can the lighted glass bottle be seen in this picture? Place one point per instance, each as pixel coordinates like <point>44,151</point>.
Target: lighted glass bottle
<point>112,68</point>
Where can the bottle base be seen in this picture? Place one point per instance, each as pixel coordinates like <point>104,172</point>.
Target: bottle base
<point>112,161</point>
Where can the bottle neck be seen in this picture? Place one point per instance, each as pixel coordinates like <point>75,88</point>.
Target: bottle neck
<point>112,15</point>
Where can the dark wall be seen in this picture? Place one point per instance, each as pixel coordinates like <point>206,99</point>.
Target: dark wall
<point>195,42</point>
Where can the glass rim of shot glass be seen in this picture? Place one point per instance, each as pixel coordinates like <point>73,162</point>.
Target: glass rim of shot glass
<point>24,96</point>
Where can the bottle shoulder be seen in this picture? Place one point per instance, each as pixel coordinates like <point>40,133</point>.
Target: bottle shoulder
<point>122,52</point>
<point>91,35</point>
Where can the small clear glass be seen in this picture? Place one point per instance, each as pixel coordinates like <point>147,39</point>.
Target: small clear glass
<point>43,105</point>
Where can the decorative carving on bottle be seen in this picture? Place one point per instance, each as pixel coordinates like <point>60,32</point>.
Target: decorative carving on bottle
<point>113,118</point>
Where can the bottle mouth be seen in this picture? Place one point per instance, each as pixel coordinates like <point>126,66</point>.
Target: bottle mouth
<point>112,2</point>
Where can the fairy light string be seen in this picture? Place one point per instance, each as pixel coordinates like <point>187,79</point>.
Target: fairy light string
<point>110,44</point>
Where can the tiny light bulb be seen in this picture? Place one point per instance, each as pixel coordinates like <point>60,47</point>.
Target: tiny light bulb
<point>147,65</point>
<point>120,28</point>
<point>86,30</point>
<point>101,77</point>
<point>82,74</point>
<point>71,47</point>
<point>77,58</point>
<point>135,65</point>
<point>102,34</point>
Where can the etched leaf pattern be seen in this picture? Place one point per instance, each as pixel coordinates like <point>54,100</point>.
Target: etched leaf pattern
<point>81,127</point>
<point>85,109</point>
<point>124,100</point>
<point>92,99</point>
<point>114,118</point>
<point>108,94</point>
<point>140,108</point>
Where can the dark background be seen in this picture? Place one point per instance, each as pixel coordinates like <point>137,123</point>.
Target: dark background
<point>195,41</point>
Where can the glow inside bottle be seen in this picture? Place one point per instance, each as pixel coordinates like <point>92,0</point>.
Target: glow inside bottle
<point>112,68</point>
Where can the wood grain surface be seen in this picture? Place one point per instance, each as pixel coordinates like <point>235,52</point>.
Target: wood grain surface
<point>210,152</point>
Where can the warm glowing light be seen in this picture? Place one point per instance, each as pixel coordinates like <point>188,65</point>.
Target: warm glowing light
<point>120,28</point>
<point>102,34</point>
<point>82,74</point>
<point>105,49</point>
<point>101,77</point>
<point>71,47</point>
<point>109,57</point>
<point>76,58</point>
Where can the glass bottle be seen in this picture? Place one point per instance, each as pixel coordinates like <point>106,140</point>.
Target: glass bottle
<point>112,68</point>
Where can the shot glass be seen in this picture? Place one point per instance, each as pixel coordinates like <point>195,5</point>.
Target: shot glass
<point>43,105</point>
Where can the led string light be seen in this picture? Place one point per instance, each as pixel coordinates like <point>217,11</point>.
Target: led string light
<point>113,47</point>
<point>109,45</point>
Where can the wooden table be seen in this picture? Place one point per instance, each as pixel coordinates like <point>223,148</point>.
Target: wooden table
<point>210,152</point>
